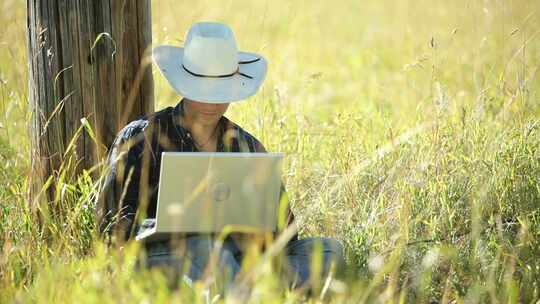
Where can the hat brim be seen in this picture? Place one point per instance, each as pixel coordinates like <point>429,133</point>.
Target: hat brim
<point>207,89</point>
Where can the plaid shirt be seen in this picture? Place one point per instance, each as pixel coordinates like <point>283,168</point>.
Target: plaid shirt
<point>135,156</point>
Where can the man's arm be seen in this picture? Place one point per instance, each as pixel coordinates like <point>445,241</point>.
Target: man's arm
<point>285,215</point>
<point>119,196</point>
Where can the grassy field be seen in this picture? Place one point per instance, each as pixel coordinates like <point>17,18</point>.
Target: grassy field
<point>412,130</point>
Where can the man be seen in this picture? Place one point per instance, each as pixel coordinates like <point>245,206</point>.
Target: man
<point>210,73</point>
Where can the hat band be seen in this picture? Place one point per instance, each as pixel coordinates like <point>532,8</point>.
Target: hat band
<point>225,75</point>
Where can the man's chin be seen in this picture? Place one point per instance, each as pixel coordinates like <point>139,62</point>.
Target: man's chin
<point>209,119</point>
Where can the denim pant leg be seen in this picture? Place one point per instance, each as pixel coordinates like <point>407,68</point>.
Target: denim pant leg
<point>230,261</point>
<point>300,253</point>
<point>198,250</point>
<point>176,261</point>
<point>228,265</point>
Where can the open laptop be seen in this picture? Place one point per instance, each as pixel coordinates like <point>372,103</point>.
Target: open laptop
<point>206,192</point>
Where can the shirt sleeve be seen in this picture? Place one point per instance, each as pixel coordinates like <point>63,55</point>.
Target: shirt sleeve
<point>118,199</point>
<point>285,213</point>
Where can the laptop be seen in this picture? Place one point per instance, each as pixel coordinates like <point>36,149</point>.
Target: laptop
<point>206,192</point>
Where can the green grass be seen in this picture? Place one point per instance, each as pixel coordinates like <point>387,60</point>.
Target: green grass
<point>412,130</point>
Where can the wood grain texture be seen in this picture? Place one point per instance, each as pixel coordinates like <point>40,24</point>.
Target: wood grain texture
<point>75,75</point>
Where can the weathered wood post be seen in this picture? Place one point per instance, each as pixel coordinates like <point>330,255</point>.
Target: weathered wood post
<point>88,61</point>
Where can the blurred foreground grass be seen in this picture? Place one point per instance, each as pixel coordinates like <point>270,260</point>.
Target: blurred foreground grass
<point>412,130</point>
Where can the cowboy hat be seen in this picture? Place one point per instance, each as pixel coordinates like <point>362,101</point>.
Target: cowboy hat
<point>209,68</point>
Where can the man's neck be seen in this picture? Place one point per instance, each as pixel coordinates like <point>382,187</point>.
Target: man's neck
<point>201,131</point>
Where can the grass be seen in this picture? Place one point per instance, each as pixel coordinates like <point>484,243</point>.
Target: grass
<point>412,130</point>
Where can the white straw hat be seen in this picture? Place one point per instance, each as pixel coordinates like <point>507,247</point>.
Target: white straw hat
<point>209,68</point>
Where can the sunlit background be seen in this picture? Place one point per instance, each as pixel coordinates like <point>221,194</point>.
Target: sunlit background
<point>411,130</point>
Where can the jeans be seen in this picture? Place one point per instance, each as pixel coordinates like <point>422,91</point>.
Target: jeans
<point>192,260</point>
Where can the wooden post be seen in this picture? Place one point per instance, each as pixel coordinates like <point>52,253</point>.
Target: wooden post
<point>88,60</point>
